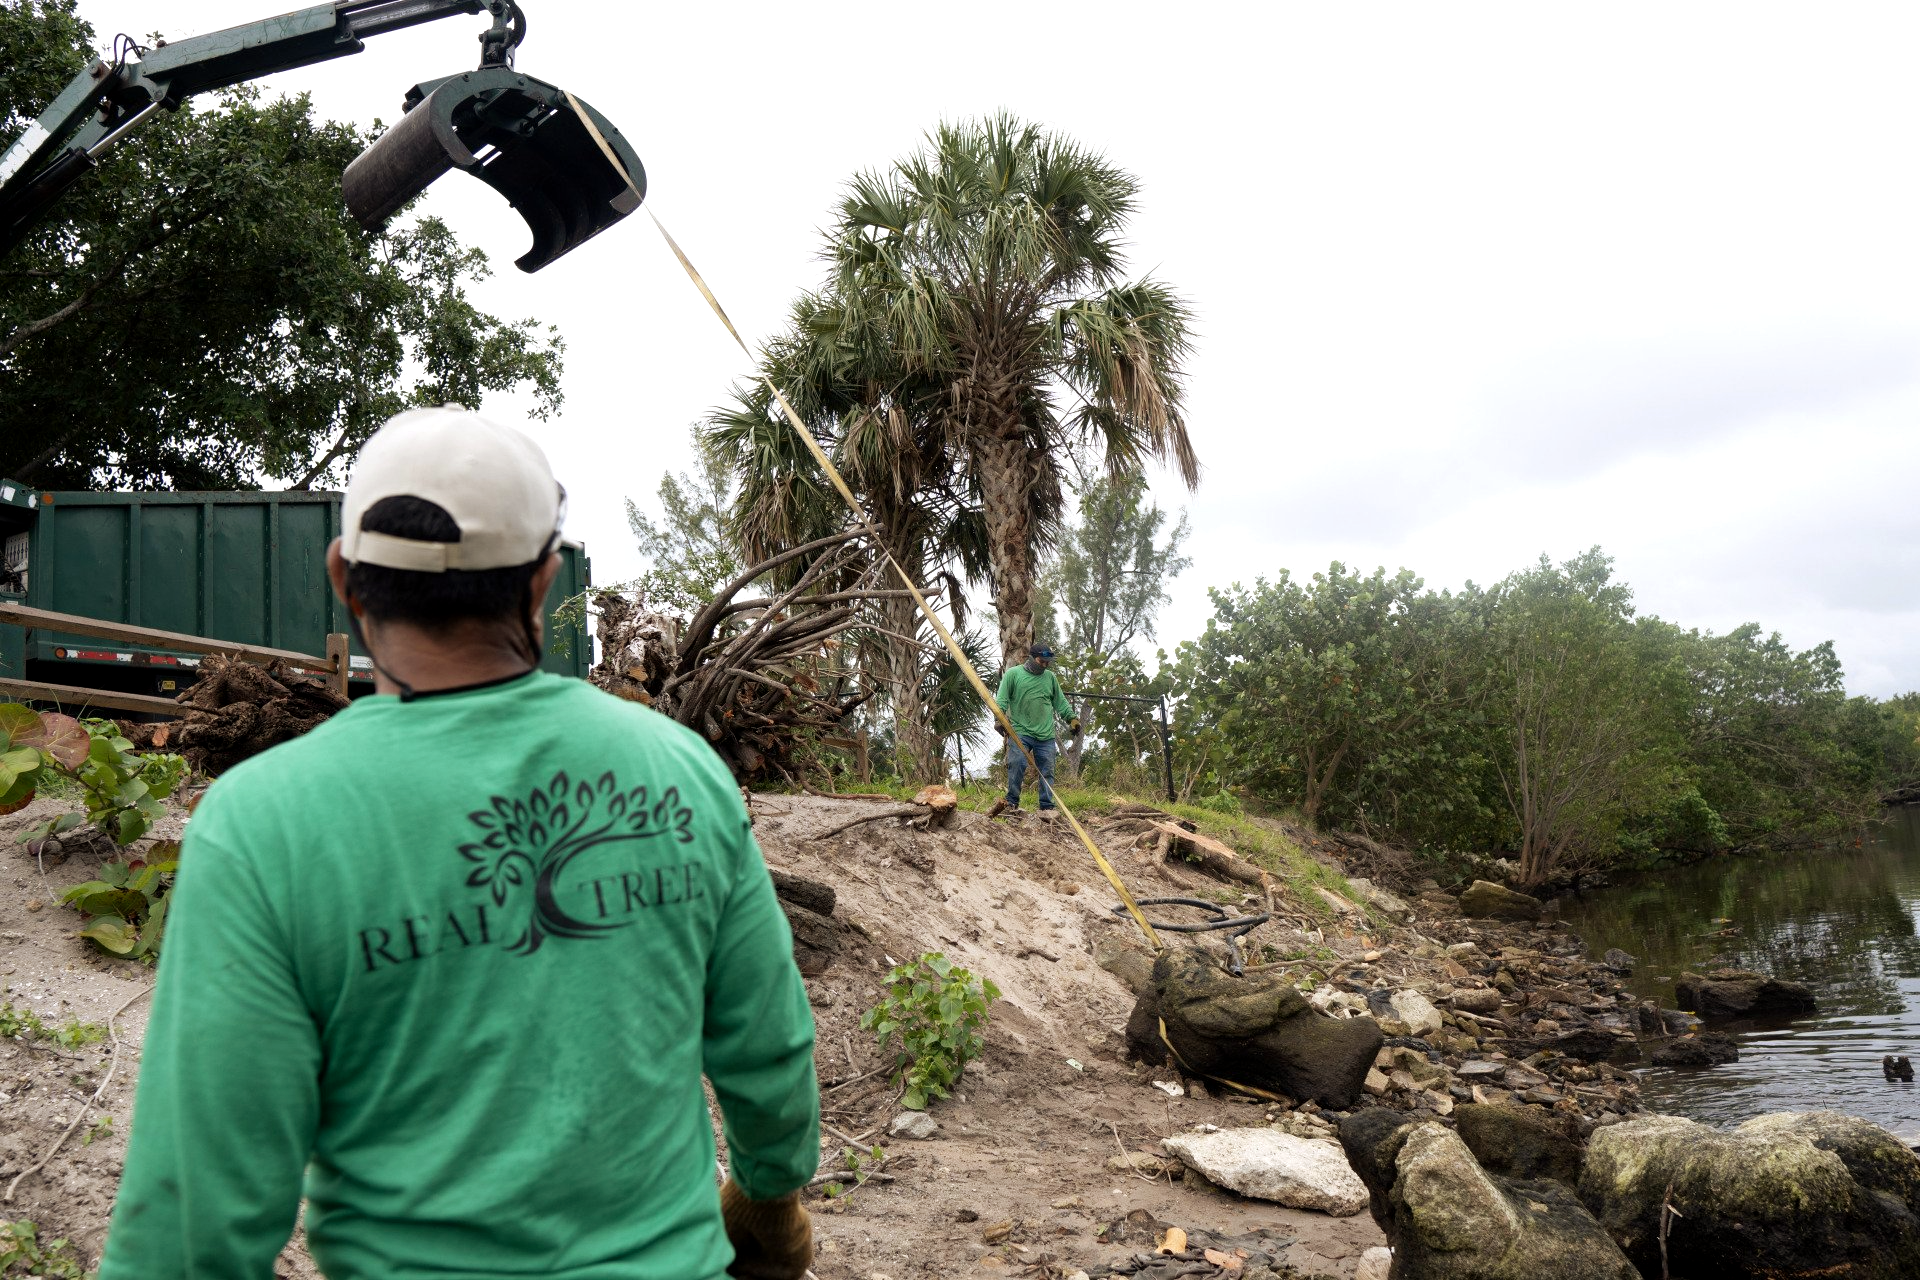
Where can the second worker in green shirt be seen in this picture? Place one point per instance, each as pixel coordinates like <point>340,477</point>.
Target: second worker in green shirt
<point>1034,701</point>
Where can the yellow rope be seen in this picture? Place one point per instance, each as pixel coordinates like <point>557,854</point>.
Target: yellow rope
<point>946,637</point>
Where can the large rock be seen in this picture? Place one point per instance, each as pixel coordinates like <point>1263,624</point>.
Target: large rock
<point>1372,1141</point>
<point>1589,1044</point>
<point>1709,1050</point>
<point>808,904</point>
<point>1270,1165</point>
<point>1740,993</point>
<point>1791,1194</point>
<point>1452,1220</point>
<point>1256,1031</point>
<point>1487,900</point>
<point>1520,1142</point>
<point>817,940</point>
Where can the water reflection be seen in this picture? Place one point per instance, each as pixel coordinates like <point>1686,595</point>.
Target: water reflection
<point>1842,922</point>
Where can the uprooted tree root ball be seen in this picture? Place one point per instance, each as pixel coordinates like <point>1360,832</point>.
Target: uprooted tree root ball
<point>236,710</point>
<point>753,676</point>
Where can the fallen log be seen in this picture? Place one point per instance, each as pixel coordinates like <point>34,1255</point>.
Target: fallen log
<point>1214,856</point>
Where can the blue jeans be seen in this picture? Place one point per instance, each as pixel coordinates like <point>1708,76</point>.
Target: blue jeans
<point>1044,750</point>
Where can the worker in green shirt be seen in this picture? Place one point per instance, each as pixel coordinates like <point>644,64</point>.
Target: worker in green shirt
<point>452,965</point>
<point>1032,698</point>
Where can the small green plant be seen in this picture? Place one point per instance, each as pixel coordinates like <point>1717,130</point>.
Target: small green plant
<point>122,790</point>
<point>75,1034</point>
<point>860,1166</point>
<point>99,1131</point>
<point>22,1254</point>
<point>22,1024</point>
<point>126,908</point>
<point>25,1024</point>
<point>935,1010</point>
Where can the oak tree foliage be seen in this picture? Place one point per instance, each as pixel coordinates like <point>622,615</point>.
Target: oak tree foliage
<point>202,313</point>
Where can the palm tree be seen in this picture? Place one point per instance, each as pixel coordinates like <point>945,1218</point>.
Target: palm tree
<point>877,423</point>
<point>988,268</point>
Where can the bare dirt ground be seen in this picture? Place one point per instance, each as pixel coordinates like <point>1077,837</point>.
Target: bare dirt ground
<point>47,970</point>
<point>1027,1137</point>
<point>1017,1180</point>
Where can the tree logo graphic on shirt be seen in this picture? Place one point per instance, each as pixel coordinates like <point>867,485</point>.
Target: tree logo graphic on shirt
<point>530,842</point>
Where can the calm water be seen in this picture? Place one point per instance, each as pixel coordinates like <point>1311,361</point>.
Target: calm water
<point>1843,922</point>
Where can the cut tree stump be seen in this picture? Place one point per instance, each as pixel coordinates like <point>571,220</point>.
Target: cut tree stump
<point>941,804</point>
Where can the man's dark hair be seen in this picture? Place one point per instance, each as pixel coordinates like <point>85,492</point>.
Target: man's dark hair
<point>434,601</point>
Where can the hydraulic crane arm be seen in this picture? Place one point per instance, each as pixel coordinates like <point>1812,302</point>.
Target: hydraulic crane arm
<point>597,184</point>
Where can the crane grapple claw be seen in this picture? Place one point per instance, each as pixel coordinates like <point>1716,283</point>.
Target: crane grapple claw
<point>559,162</point>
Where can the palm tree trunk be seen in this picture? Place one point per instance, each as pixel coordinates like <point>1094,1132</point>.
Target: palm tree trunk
<point>1005,479</point>
<point>911,736</point>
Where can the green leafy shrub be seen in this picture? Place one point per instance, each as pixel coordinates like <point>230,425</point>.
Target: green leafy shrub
<point>126,908</point>
<point>935,1010</point>
<point>22,1254</point>
<point>1221,802</point>
<point>122,790</point>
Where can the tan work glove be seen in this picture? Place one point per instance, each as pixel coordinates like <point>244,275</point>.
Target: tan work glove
<point>771,1239</point>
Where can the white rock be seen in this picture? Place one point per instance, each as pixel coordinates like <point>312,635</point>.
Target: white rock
<point>913,1124</point>
<point>1379,899</point>
<point>1412,1011</point>
<point>1269,1165</point>
<point>1375,1264</point>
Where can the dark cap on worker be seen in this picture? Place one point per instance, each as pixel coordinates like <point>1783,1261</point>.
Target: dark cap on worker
<point>1039,651</point>
<point>491,479</point>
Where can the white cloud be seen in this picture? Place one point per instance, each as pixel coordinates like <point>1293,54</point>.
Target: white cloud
<point>1473,281</point>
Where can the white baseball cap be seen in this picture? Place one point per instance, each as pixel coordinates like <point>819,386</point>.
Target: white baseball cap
<point>491,479</point>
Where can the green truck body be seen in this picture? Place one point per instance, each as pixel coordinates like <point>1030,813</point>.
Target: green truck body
<point>244,567</point>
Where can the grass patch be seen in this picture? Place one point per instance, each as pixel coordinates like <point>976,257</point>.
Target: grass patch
<point>1261,842</point>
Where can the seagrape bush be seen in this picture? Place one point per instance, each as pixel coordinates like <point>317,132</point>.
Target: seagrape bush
<point>1542,717</point>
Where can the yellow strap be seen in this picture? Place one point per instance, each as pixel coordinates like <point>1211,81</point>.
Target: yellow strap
<point>946,637</point>
<point>606,149</point>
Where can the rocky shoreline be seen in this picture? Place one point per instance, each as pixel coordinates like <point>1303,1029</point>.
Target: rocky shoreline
<point>1465,1062</point>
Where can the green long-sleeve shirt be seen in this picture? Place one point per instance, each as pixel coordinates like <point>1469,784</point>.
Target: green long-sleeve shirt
<point>462,962</point>
<point>1031,702</point>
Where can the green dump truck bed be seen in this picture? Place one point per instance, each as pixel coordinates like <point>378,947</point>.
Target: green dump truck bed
<point>243,567</point>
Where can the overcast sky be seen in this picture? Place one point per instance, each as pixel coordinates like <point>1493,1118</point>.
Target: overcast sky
<point>1474,282</point>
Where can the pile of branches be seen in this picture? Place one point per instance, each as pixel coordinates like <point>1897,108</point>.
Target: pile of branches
<point>235,710</point>
<point>749,674</point>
